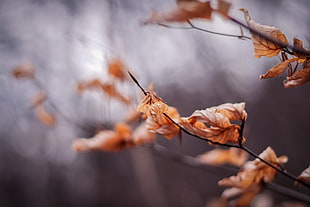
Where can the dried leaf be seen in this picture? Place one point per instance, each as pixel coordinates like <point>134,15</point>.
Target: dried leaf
<point>86,85</point>
<point>24,71</point>
<point>216,124</point>
<point>299,77</point>
<point>217,202</point>
<point>255,172</point>
<point>39,99</point>
<point>160,124</point>
<point>106,140</point>
<point>116,69</point>
<point>299,44</point>
<point>278,69</point>
<point>111,91</point>
<point>304,176</point>
<point>263,47</point>
<point>223,7</point>
<point>152,105</point>
<point>184,11</point>
<point>232,111</point>
<point>231,156</point>
<point>44,116</point>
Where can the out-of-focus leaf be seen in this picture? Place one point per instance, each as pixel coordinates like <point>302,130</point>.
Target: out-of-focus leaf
<point>142,135</point>
<point>304,176</point>
<point>44,116</point>
<point>116,68</point>
<point>231,156</point>
<point>39,99</point>
<point>184,11</point>
<point>263,47</point>
<point>24,71</point>
<point>223,7</point>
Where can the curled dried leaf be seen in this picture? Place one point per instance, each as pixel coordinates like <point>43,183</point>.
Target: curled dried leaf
<point>299,44</point>
<point>304,176</point>
<point>44,116</point>
<point>278,69</point>
<point>184,11</point>
<point>152,105</point>
<point>24,71</point>
<point>231,156</point>
<point>232,111</point>
<point>298,78</point>
<point>160,124</point>
<point>263,47</point>
<point>39,99</point>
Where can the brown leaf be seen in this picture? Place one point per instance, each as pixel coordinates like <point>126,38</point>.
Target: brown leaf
<point>278,69</point>
<point>39,99</point>
<point>106,140</point>
<point>44,116</point>
<point>304,176</point>
<point>232,111</point>
<point>87,85</point>
<point>184,11</point>
<point>231,156</point>
<point>152,105</point>
<point>216,124</point>
<point>160,124</point>
<point>142,135</point>
<point>223,7</point>
<point>299,44</point>
<point>263,47</point>
<point>24,71</point>
<point>116,69</point>
<point>298,78</point>
<point>255,172</point>
<point>111,91</point>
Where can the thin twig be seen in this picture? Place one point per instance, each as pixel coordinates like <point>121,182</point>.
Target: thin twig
<point>240,146</point>
<point>192,26</point>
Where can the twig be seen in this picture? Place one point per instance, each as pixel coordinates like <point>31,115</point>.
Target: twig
<point>240,146</point>
<point>192,26</point>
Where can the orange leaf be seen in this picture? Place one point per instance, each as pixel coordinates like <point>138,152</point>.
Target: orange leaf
<point>86,85</point>
<point>152,105</point>
<point>160,124</point>
<point>39,99</point>
<point>299,44</point>
<point>111,91</point>
<point>278,69</point>
<point>45,117</point>
<point>263,47</point>
<point>142,135</point>
<point>231,156</point>
<point>217,119</point>
<point>106,140</point>
<point>24,71</point>
<point>223,7</point>
<point>246,195</point>
<point>116,69</point>
<point>184,11</point>
<point>304,176</point>
<point>299,77</point>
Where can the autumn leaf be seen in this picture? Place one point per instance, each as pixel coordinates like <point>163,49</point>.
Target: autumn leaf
<point>298,78</point>
<point>87,85</point>
<point>223,7</point>
<point>116,69</point>
<point>278,69</point>
<point>263,47</point>
<point>299,44</point>
<point>184,11</point>
<point>106,140</point>
<point>44,116</point>
<point>247,183</point>
<point>160,124</point>
<point>111,91</point>
<point>255,172</point>
<point>39,99</point>
<point>304,176</point>
<point>24,71</point>
<point>214,123</point>
<point>142,135</point>
<point>152,105</point>
<point>231,156</point>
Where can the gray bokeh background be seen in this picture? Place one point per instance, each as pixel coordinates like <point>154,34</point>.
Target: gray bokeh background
<point>68,41</point>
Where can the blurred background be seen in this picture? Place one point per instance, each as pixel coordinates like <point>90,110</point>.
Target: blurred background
<point>69,41</point>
